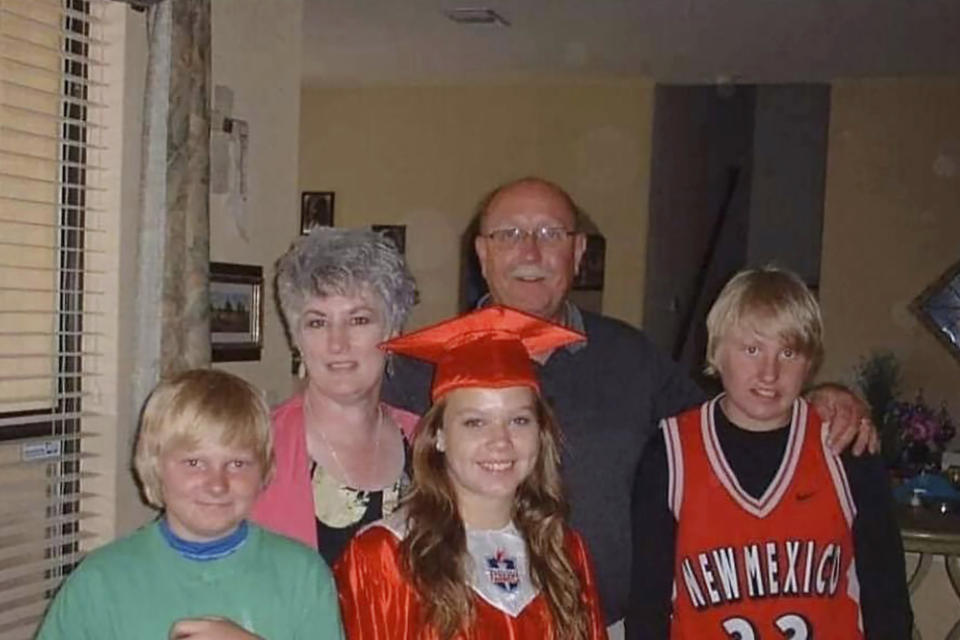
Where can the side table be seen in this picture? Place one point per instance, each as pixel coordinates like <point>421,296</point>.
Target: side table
<point>929,534</point>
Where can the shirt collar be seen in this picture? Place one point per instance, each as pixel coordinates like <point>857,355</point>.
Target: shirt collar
<point>572,319</point>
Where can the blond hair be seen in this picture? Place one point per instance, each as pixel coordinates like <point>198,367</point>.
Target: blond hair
<point>433,553</point>
<point>195,406</point>
<point>773,302</point>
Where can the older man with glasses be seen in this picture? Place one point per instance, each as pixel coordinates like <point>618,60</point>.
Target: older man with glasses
<point>609,392</point>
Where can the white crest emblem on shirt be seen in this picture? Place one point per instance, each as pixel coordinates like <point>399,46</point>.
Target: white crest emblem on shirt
<point>498,569</point>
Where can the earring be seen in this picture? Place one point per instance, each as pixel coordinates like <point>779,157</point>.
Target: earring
<point>299,368</point>
<point>440,445</point>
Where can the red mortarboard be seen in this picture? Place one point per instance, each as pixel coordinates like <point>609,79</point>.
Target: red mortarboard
<point>486,348</point>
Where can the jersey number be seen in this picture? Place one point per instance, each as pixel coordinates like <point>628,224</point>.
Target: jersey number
<point>791,625</point>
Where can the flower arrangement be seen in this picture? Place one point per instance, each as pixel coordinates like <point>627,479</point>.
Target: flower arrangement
<point>912,434</point>
<point>924,433</point>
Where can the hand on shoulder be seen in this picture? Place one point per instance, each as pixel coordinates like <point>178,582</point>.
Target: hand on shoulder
<point>848,416</point>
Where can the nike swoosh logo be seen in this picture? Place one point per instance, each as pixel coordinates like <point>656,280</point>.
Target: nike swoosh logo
<point>805,496</point>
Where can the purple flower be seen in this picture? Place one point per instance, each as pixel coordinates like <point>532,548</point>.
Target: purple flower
<point>921,425</point>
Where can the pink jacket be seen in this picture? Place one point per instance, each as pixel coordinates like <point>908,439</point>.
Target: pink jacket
<point>286,504</point>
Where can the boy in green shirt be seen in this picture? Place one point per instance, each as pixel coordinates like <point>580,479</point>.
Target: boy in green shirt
<point>200,571</point>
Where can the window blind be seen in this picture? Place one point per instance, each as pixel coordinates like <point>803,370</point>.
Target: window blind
<point>51,285</point>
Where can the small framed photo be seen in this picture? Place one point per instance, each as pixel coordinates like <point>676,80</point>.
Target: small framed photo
<point>938,307</point>
<point>590,275</point>
<point>395,232</point>
<point>236,311</point>
<point>316,210</point>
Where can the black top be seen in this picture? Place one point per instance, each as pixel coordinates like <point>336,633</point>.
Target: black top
<point>754,458</point>
<point>608,396</point>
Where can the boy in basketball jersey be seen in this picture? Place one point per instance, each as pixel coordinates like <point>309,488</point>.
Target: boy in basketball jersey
<point>747,526</point>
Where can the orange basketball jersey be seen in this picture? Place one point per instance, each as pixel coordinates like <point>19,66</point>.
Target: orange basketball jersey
<point>777,567</point>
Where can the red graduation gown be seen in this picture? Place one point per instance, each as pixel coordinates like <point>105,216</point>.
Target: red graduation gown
<point>377,603</point>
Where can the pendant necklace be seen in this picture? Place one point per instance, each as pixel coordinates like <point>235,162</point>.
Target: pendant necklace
<point>333,452</point>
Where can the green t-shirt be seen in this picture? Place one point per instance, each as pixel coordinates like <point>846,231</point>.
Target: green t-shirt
<point>137,587</point>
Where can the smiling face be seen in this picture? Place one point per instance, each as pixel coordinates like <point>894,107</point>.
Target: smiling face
<point>532,275</point>
<point>208,489</point>
<point>491,440</point>
<point>338,337</point>
<point>762,376</point>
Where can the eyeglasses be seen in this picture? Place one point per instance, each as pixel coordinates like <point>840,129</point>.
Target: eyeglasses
<point>513,236</point>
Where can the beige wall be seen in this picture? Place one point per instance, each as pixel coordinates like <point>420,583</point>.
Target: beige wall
<point>256,53</point>
<point>891,225</point>
<point>423,156</point>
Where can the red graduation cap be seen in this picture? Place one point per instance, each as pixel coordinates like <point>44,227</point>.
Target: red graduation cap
<point>486,348</point>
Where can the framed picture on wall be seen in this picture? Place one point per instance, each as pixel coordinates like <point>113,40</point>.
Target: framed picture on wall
<point>590,275</point>
<point>316,210</point>
<point>395,232</point>
<point>236,311</point>
<point>938,307</point>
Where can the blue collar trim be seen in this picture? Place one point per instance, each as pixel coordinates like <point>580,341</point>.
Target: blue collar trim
<point>205,551</point>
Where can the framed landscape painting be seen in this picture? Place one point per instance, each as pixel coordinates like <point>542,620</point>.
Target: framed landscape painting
<point>236,311</point>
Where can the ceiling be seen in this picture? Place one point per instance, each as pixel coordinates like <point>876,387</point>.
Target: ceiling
<point>359,42</point>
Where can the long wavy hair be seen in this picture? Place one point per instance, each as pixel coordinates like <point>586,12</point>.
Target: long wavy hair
<point>434,551</point>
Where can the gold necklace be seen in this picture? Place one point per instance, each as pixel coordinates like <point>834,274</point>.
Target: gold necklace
<point>333,452</point>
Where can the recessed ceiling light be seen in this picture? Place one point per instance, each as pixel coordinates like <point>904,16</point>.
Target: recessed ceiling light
<point>477,15</point>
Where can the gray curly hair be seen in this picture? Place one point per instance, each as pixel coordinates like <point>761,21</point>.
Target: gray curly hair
<point>331,261</point>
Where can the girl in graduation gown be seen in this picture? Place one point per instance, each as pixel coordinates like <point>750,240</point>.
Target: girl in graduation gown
<point>479,549</point>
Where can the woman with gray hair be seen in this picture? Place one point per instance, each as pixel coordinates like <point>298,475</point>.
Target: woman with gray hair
<point>341,453</point>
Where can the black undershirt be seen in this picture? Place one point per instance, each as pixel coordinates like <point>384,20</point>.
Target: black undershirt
<point>754,457</point>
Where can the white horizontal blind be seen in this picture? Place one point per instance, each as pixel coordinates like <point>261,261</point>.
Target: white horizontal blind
<point>51,232</point>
